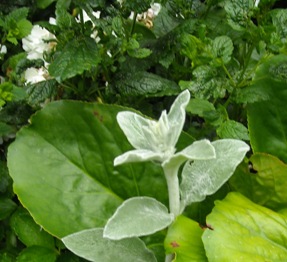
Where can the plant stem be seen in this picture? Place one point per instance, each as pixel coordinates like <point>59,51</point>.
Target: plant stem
<point>171,176</point>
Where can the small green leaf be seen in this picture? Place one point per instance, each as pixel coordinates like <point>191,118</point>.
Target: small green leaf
<point>232,129</point>
<point>91,245</point>
<point>36,254</point>
<point>25,27</point>
<point>76,57</point>
<point>204,177</point>
<point>138,216</point>
<point>222,47</point>
<point>198,106</point>
<point>243,231</point>
<point>184,240</point>
<point>28,231</point>
<point>44,3</point>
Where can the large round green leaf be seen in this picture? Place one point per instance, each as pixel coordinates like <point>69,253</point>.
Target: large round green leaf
<point>240,230</point>
<point>62,167</point>
<point>267,120</point>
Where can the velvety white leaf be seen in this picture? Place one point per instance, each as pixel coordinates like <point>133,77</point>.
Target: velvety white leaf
<point>136,217</point>
<point>137,156</point>
<point>176,115</point>
<point>198,150</point>
<point>204,177</point>
<point>132,125</point>
<point>91,245</point>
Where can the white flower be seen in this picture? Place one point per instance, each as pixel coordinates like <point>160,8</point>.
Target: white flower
<point>35,75</point>
<point>35,44</point>
<point>86,18</point>
<point>3,49</point>
<point>52,21</point>
<point>150,14</point>
<point>256,3</point>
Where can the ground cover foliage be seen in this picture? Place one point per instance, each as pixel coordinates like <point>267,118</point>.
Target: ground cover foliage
<point>69,67</point>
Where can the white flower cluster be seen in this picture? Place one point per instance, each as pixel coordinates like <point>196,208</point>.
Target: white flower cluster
<point>38,42</point>
<point>149,15</point>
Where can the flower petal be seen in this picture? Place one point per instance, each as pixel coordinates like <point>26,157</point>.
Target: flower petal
<point>140,155</point>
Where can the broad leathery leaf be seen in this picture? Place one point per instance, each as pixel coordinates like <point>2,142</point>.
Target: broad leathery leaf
<point>241,230</point>
<point>76,57</point>
<point>270,181</point>
<point>204,177</point>
<point>146,84</point>
<point>62,164</point>
<point>138,216</point>
<point>232,129</point>
<point>267,120</point>
<point>184,240</point>
<point>36,254</point>
<point>28,231</point>
<point>91,245</point>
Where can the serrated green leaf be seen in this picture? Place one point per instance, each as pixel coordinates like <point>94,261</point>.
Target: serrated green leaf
<point>222,48</point>
<point>28,231</point>
<point>139,53</point>
<point>204,177</point>
<point>267,119</point>
<point>41,91</point>
<point>199,106</point>
<point>36,254</point>
<point>232,129</point>
<point>238,13</point>
<point>25,27</point>
<point>77,56</point>
<point>138,216</point>
<point>146,84</point>
<point>91,245</point>
<point>184,240</point>
<point>279,19</point>
<point>243,231</point>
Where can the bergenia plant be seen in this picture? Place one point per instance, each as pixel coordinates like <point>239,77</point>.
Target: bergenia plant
<point>207,166</point>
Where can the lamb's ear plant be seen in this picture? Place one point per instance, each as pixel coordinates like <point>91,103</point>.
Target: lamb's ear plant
<point>207,166</point>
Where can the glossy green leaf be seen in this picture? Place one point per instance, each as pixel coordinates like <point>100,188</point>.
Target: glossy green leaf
<point>184,240</point>
<point>269,183</point>
<point>243,231</point>
<point>138,216</point>
<point>76,57</point>
<point>232,129</point>
<point>204,177</point>
<point>267,120</point>
<point>62,167</point>
<point>36,254</point>
<point>28,231</point>
<point>91,245</point>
